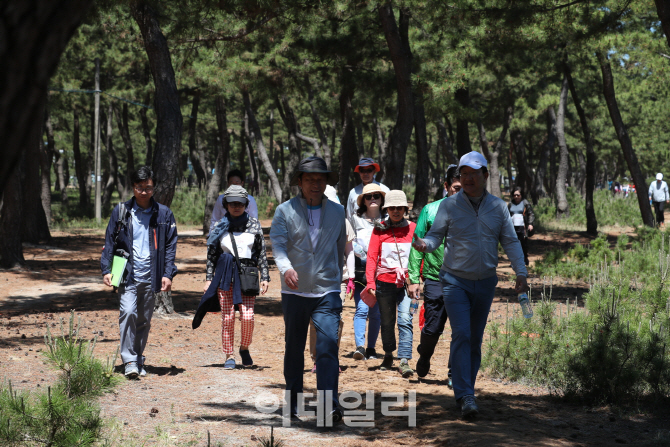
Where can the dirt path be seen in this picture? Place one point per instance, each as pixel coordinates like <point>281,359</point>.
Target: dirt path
<point>194,395</point>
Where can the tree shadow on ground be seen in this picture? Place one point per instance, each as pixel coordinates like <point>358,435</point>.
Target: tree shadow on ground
<point>504,420</point>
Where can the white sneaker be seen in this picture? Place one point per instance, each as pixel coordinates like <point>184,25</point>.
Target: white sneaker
<point>131,370</point>
<point>143,371</point>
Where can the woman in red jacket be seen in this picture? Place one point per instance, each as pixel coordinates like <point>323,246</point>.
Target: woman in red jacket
<point>386,274</point>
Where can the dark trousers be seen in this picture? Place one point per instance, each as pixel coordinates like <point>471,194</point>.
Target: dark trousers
<point>392,298</point>
<point>521,235</point>
<point>658,207</point>
<point>326,313</point>
<point>435,315</point>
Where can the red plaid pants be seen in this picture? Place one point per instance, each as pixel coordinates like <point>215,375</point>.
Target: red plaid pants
<point>228,319</point>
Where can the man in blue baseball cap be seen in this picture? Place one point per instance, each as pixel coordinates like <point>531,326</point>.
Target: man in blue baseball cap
<point>366,168</point>
<point>471,223</point>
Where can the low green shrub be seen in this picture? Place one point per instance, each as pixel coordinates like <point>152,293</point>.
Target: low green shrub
<point>612,351</point>
<point>610,210</point>
<point>66,413</point>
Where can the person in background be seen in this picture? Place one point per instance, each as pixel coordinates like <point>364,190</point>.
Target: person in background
<point>370,203</point>
<point>366,168</point>
<point>658,195</point>
<point>523,218</point>
<point>234,177</point>
<point>386,275</point>
<point>250,245</point>
<point>308,240</point>
<point>473,223</point>
<point>146,233</point>
<point>427,266</point>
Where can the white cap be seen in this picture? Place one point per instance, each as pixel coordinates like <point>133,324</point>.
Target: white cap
<point>473,159</point>
<point>659,176</point>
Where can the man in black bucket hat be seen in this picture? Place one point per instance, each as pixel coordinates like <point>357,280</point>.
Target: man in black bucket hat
<point>308,236</point>
<point>366,168</point>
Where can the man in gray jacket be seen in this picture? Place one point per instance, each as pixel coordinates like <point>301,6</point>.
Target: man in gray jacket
<point>471,223</point>
<point>658,195</point>
<point>308,238</point>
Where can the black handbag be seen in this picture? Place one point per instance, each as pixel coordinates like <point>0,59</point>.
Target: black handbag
<point>248,275</point>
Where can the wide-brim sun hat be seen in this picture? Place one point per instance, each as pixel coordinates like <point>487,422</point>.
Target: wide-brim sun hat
<point>236,193</point>
<point>365,162</point>
<point>473,159</point>
<point>395,197</point>
<point>314,165</point>
<point>369,189</point>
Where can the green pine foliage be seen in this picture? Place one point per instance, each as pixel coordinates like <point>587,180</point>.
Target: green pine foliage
<point>66,413</point>
<point>614,350</point>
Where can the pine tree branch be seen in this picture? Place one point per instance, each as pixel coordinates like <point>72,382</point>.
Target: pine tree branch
<point>240,34</point>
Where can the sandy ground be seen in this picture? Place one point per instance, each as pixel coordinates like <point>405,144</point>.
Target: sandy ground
<point>194,395</point>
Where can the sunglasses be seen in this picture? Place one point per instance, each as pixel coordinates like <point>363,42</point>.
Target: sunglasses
<point>517,195</point>
<point>366,171</point>
<point>375,196</point>
<point>395,208</point>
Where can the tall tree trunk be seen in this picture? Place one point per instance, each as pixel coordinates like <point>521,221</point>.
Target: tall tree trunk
<point>663,8</point>
<point>256,138</point>
<point>198,158</point>
<point>397,40</point>
<point>294,146</point>
<point>34,226</point>
<point>242,154</point>
<point>445,142</point>
<point>250,155</point>
<point>382,143</point>
<point>166,102</point>
<point>348,153</point>
<point>281,157</point>
<point>463,146</point>
<point>81,170</point>
<point>11,218</point>
<point>422,158</point>
<point>219,176</point>
<point>146,131</point>
<point>360,145</point>
<point>273,151</point>
<point>62,175</point>
<point>494,169</point>
<point>523,178</point>
<point>317,124</point>
<point>591,221</point>
<point>46,158</point>
<point>624,140</point>
<point>34,35</point>
<point>112,173</point>
<point>538,191</point>
<point>122,123</point>
<point>562,207</point>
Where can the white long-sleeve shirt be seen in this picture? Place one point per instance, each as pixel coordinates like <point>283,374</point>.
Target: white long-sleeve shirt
<point>658,191</point>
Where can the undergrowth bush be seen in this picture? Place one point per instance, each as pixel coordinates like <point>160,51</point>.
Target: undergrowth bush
<point>610,210</point>
<point>612,351</point>
<point>66,413</point>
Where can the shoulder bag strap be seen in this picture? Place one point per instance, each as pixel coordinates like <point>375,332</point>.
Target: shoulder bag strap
<point>237,257</point>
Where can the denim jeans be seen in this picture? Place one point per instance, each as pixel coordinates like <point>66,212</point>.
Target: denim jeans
<point>468,304</point>
<point>363,313</point>
<point>325,312</point>
<point>136,309</point>
<point>389,299</point>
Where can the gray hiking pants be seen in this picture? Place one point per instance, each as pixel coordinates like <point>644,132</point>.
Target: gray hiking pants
<point>137,308</point>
